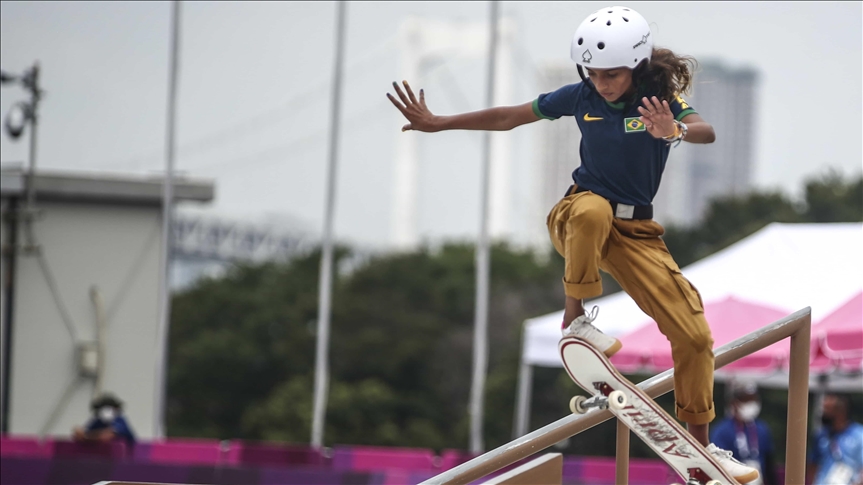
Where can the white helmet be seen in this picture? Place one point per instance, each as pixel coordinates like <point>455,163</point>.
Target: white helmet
<point>612,37</point>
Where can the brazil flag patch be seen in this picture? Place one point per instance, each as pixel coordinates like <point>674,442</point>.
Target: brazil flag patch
<point>633,125</point>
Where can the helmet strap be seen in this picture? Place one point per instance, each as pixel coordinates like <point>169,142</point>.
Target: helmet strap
<point>585,79</point>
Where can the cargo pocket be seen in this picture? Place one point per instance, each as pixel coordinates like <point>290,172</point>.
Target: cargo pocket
<point>687,290</point>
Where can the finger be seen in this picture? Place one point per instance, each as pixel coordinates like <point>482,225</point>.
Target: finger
<point>396,103</point>
<point>647,122</point>
<point>410,92</point>
<point>401,94</point>
<point>645,115</point>
<point>422,98</point>
<point>407,127</point>
<point>657,106</point>
<point>647,104</point>
<point>666,106</point>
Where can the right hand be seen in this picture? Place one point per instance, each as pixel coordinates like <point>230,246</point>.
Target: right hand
<point>416,112</point>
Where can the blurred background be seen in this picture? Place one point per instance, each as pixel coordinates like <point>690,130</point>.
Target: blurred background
<point>780,82</point>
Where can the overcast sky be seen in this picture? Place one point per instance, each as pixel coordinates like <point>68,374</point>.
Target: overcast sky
<point>254,97</point>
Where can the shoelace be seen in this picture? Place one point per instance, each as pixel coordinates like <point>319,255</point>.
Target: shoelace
<point>728,455</point>
<point>586,318</point>
<point>723,453</point>
<point>591,316</point>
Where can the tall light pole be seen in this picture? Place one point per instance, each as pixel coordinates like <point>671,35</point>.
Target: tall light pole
<point>483,264</point>
<point>19,116</point>
<point>325,283</point>
<point>160,384</point>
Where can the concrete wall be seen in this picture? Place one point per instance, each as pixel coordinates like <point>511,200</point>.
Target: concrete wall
<point>114,248</point>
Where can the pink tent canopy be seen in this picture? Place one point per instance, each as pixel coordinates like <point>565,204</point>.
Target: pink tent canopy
<point>647,350</point>
<point>837,340</point>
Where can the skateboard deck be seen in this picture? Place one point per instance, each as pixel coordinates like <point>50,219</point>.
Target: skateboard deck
<point>592,371</point>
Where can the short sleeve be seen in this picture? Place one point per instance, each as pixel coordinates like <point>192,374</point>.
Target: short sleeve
<point>555,104</point>
<point>680,108</point>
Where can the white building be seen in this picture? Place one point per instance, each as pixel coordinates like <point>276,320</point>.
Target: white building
<point>426,46</point>
<point>79,296</point>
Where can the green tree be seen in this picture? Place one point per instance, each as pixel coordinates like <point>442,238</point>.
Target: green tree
<point>234,339</point>
<point>241,359</point>
<point>830,198</point>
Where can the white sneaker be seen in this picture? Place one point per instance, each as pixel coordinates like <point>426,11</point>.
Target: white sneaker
<point>581,327</point>
<point>740,472</point>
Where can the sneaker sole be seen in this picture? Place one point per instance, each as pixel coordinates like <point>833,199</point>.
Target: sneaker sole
<point>748,477</point>
<point>613,349</point>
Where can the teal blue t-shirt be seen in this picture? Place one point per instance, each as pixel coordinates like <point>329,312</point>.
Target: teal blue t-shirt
<point>620,160</point>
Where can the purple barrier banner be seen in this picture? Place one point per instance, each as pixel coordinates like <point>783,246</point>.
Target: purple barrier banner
<point>87,471</point>
<point>30,461</point>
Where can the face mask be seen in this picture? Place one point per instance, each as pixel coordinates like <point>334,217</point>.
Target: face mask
<point>107,414</point>
<point>748,411</point>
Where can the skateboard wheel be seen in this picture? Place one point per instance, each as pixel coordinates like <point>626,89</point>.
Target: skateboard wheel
<point>575,405</point>
<point>617,400</point>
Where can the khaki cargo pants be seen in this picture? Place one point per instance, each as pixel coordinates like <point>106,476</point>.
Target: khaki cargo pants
<point>585,233</point>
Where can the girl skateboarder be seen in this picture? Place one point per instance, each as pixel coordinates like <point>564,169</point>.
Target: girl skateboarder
<point>629,110</point>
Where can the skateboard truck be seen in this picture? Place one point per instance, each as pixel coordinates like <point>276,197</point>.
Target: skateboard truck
<point>616,400</point>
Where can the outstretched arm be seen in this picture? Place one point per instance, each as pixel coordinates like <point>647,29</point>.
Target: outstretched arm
<point>420,118</point>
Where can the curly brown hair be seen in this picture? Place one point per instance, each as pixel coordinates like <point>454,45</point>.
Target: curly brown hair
<point>666,74</point>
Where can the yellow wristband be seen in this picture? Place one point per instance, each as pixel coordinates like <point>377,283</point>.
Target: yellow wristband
<point>676,133</point>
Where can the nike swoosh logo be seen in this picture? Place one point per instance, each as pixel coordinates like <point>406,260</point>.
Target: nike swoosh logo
<point>587,117</point>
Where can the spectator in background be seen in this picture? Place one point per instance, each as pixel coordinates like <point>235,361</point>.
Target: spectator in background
<point>746,436</point>
<point>836,455</point>
<point>107,423</point>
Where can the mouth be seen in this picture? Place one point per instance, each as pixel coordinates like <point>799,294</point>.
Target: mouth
<point>606,95</point>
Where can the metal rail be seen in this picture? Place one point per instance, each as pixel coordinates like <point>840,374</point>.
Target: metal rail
<point>797,326</point>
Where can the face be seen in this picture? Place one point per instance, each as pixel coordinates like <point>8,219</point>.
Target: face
<point>107,413</point>
<point>831,409</point>
<point>747,408</point>
<point>611,84</point>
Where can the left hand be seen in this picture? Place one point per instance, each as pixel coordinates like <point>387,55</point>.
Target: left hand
<point>657,117</point>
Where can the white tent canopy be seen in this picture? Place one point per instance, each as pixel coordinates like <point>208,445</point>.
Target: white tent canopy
<point>786,266</point>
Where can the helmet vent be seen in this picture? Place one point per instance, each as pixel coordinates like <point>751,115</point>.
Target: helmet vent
<point>626,10</point>
<point>580,40</point>
<point>625,19</point>
<point>594,18</point>
<point>610,11</point>
<point>608,23</point>
<point>601,45</point>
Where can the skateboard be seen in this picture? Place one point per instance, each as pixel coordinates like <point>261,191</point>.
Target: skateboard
<point>592,371</point>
